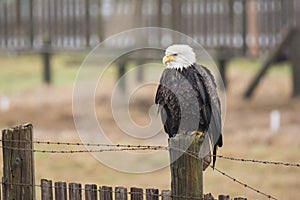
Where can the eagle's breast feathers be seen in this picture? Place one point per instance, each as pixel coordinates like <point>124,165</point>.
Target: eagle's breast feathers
<point>187,97</point>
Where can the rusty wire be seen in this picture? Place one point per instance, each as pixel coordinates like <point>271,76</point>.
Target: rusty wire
<point>231,177</point>
<point>259,161</point>
<point>87,151</point>
<point>127,147</point>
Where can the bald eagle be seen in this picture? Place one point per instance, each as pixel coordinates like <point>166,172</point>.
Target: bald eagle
<point>187,97</point>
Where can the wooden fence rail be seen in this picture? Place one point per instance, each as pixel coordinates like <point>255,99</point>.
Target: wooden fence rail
<point>77,25</point>
<point>18,174</point>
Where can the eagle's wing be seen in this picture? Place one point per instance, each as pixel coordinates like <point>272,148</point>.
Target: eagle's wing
<point>215,125</point>
<point>166,100</point>
<point>162,108</point>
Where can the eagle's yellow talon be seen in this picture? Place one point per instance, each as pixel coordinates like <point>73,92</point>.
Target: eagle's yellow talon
<point>179,134</point>
<point>196,133</point>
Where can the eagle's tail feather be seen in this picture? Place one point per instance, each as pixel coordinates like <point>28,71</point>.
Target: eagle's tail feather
<point>214,155</point>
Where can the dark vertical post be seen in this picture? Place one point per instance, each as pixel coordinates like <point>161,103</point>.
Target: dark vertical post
<point>244,28</point>
<point>176,14</point>
<point>60,191</point>
<point>49,21</point>
<point>75,191</point>
<point>186,166</point>
<point>121,72</point>
<point>121,193</point>
<point>208,197</point>
<point>87,22</point>
<point>152,194</point>
<point>295,61</point>
<point>100,22</point>
<point>55,21</point>
<point>46,189</point>
<point>46,54</point>
<point>136,193</point>
<point>222,67</point>
<point>5,23</point>
<point>18,21</point>
<point>222,58</point>
<point>166,195</point>
<point>74,23</point>
<point>223,197</point>
<point>91,192</point>
<point>18,163</point>
<point>106,193</point>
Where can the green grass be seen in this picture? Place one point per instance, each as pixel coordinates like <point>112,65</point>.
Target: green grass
<point>22,72</point>
<point>254,65</point>
<point>19,73</point>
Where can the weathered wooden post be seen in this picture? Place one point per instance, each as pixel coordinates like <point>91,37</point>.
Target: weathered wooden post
<point>91,192</point>
<point>46,55</point>
<point>152,194</point>
<point>75,191</point>
<point>121,72</point>
<point>121,193</point>
<point>18,163</point>
<point>46,189</point>
<point>186,166</point>
<point>166,195</point>
<point>295,61</point>
<point>60,191</point>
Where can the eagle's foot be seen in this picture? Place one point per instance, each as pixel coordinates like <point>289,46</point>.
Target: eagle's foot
<point>200,133</point>
<point>179,134</point>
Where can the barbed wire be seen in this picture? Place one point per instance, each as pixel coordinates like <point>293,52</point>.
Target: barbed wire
<point>231,177</point>
<point>81,144</point>
<point>127,147</point>
<point>258,161</point>
<point>87,150</point>
<point>244,184</point>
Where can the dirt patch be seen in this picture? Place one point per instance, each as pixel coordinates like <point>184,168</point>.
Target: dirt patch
<point>246,134</point>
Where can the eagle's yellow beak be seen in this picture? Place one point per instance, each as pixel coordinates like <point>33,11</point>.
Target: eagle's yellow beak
<point>168,58</point>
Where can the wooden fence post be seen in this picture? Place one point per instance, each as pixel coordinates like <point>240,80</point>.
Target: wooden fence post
<point>18,163</point>
<point>136,193</point>
<point>60,191</point>
<point>151,194</point>
<point>75,191</point>
<point>166,195</point>
<point>121,193</point>
<point>46,55</point>
<point>106,193</point>
<point>223,197</point>
<point>186,169</point>
<point>91,192</point>
<point>295,61</point>
<point>46,189</point>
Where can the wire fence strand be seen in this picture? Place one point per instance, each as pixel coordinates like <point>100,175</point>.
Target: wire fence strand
<point>87,150</point>
<point>129,147</point>
<point>126,147</point>
<point>231,177</point>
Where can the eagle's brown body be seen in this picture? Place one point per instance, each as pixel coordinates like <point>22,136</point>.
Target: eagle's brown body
<point>188,101</point>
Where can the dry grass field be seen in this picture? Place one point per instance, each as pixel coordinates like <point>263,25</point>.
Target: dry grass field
<point>246,130</point>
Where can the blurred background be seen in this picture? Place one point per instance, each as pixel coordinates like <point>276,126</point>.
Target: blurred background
<point>254,43</point>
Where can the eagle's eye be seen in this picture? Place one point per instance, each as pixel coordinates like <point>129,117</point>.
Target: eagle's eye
<point>175,54</point>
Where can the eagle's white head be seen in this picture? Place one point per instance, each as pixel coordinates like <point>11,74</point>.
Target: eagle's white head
<point>179,56</point>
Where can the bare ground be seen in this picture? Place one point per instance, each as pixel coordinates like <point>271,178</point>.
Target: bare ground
<point>246,135</point>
